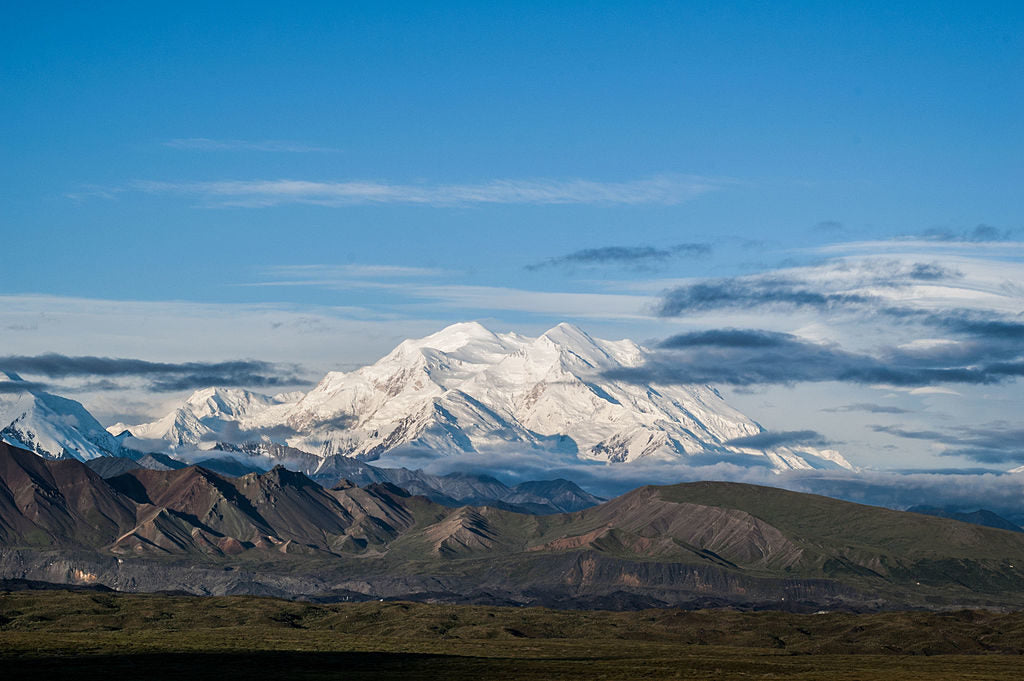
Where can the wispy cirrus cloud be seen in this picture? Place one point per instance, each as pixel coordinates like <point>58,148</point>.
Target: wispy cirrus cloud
<point>549,303</point>
<point>354,270</point>
<point>207,144</point>
<point>868,407</point>
<point>661,190</point>
<point>344,276</point>
<point>623,255</point>
<point>998,244</point>
<point>419,287</point>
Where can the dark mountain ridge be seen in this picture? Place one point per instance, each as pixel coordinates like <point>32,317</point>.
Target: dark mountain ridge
<point>453,489</point>
<point>979,516</point>
<point>695,544</point>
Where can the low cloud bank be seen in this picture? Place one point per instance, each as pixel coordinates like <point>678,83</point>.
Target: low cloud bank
<point>756,357</point>
<point>785,438</point>
<point>995,443</point>
<point>163,376</point>
<point>1000,492</point>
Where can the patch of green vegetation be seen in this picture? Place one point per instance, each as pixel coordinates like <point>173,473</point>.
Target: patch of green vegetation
<point>85,635</point>
<point>843,525</point>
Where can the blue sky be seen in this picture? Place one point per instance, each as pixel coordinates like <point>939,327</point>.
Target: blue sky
<point>334,177</point>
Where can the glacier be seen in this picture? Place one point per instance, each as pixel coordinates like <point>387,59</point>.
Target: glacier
<point>466,389</point>
<point>52,426</point>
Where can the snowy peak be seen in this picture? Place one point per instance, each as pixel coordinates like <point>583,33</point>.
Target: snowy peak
<point>209,414</point>
<point>225,402</point>
<point>572,339</point>
<point>467,389</point>
<point>458,336</point>
<point>577,346</point>
<point>52,426</point>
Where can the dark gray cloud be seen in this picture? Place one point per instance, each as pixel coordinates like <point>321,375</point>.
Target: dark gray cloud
<point>992,444</point>
<point>923,271</point>
<point>165,376</point>
<point>740,293</point>
<point>14,387</point>
<point>979,234</point>
<point>623,255</point>
<point>203,380</point>
<point>869,408</point>
<point>777,291</point>
<point>691,249</point>
<point>987,351</point>
<point>783,438</point>
<point>752,357</point>
<point>978,325</point>
<point>910,434</point>
<point>64,366</point>
<point>727,338</point>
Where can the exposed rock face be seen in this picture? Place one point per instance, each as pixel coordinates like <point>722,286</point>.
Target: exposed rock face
<point>279,533</point>
<point>453,489</point>
<point>57,503</point>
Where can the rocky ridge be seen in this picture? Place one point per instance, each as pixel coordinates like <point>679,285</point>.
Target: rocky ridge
<point>279,533</point>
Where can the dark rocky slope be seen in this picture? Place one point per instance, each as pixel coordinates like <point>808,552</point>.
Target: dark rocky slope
<point>697,544</point>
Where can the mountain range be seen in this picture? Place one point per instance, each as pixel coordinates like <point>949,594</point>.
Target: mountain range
<point>466,389</point>
<point>453,489</point>
<point>694,544</point>
<point>979,516</point>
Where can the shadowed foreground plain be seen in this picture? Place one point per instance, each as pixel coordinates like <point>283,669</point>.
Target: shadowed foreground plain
<point>87,635</point>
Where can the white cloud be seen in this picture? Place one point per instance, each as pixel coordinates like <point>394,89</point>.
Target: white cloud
<point>663,190</point>
<point>407,282</point>
<point>366,270</point>
<point>342,277</point>
<point>180,331</point>
<point>934,390</point>
<point>923,247</point>
<point>551,303</point>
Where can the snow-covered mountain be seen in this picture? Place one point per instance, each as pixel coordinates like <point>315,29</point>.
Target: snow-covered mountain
<point>210,415</point>
<point>467,389</point>
<point>52,426</point>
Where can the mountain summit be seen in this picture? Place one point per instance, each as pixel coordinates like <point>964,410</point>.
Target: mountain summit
<point>467,389</point>
<point>50,425</point>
